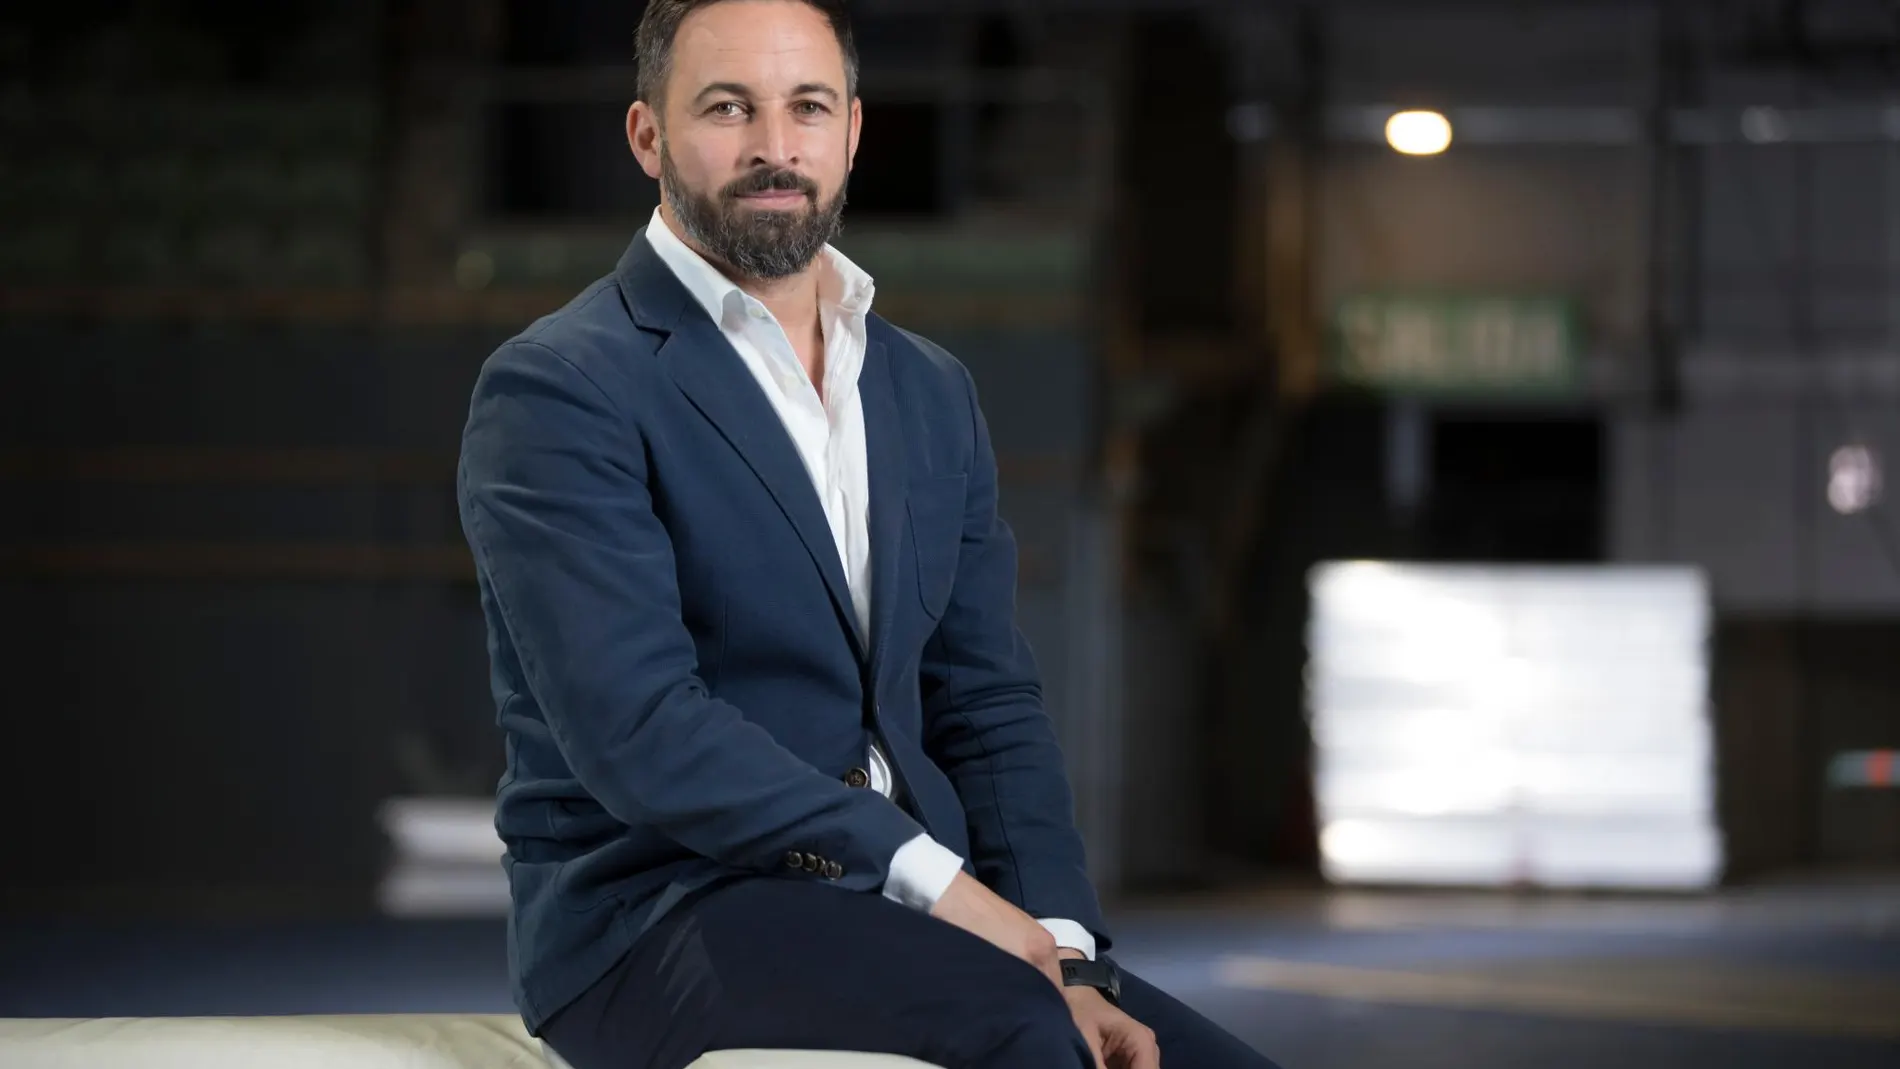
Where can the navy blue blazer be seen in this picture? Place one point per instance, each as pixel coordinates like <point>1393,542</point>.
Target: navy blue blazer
<point>676,668</point>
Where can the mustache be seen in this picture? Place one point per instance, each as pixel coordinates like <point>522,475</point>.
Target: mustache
<point>770,181</point>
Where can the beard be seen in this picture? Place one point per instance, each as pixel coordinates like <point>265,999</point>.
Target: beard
<point>754,243</point>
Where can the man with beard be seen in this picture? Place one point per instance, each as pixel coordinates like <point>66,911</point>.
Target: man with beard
<point>778,769</point>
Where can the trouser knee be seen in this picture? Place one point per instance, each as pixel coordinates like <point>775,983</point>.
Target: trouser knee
<point>1043,1037</point>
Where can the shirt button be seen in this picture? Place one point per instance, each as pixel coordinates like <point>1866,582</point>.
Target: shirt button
<point>833,870</point>
<point>813,863</point>
<point>857,777</point>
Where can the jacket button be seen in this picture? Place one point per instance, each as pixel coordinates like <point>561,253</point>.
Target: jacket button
<point>833,870</point>
<point>813,862</point>
<point>794,859</point>
<point>857,777</point>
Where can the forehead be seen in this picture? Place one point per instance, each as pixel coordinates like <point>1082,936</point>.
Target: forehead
<point>767,45</point>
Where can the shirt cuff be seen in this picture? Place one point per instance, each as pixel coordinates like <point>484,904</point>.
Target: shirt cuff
<point>1070,935</point>
<point>921,871</point>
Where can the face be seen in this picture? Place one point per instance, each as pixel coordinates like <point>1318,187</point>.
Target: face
<point>757,136</point>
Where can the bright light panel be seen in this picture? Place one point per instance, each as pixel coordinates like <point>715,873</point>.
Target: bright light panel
<point>445,858</point>
<point>1512,725</point>
<point>1418,133</point>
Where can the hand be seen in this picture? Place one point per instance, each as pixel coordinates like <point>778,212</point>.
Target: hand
<point>1117,1040</point>
<point>989,916</point>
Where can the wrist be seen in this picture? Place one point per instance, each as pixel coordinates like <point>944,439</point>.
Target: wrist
<point>1071,952</point>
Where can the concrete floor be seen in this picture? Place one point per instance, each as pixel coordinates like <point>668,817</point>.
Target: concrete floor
<point>1777,976</point>
<point>1788,976</point>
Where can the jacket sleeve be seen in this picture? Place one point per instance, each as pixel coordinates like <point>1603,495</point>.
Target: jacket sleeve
<point>580,571</point>
<point>986,727</point>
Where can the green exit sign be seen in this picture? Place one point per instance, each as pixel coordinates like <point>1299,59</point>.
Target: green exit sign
<point>1469,345</point>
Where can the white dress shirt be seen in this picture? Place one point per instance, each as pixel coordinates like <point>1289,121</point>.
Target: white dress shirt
<point>828,431</point>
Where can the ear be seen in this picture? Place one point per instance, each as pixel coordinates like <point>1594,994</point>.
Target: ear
<point>857,124</point>
<point>643,137</point>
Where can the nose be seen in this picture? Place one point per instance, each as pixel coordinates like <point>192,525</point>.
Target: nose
<point>774,143</point>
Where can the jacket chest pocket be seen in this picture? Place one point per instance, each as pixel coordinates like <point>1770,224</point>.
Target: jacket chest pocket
<point>936,531</point>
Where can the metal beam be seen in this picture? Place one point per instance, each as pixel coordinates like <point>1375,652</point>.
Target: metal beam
<point>926,8</point>
<point>1609,127</point>
<point>614,83</point>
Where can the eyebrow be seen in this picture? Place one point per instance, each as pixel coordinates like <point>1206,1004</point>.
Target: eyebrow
<point>736,89</point>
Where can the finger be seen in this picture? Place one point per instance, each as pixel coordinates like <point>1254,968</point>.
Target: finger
<point>1145,1053</point>
<point>1092,1035</point>
<point>1131,1045</point>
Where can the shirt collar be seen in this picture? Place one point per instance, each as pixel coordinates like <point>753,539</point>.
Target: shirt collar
<point>842,285</point>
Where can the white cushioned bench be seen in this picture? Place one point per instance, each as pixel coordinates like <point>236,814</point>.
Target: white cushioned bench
<point>365,1041</point>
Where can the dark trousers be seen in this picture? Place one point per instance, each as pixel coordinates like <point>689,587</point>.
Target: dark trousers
<point>781,963</point>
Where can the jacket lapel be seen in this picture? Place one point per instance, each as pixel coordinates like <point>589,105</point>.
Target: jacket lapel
<point>884,448</point>
<point>716,381</point>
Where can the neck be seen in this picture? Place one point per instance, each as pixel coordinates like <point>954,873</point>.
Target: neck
<point>792,300</point>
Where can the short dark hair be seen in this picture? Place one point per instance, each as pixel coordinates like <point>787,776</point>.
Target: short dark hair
<point>660,24</point>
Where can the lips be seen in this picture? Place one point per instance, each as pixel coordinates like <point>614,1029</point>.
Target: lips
<point>775,197</point>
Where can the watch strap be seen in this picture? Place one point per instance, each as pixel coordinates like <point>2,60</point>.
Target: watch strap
<point>1101,975</point>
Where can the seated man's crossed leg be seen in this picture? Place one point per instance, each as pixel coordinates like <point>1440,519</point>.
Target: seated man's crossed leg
<point>774,963</point>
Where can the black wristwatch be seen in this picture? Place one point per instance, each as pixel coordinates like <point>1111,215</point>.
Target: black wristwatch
<point>1081,972</point>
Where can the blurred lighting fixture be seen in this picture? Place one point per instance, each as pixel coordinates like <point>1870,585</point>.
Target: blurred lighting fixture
<point>1498,726</point>
<point>1418,133</point>
<point>1764,125</point>
<point>1853,479</point>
